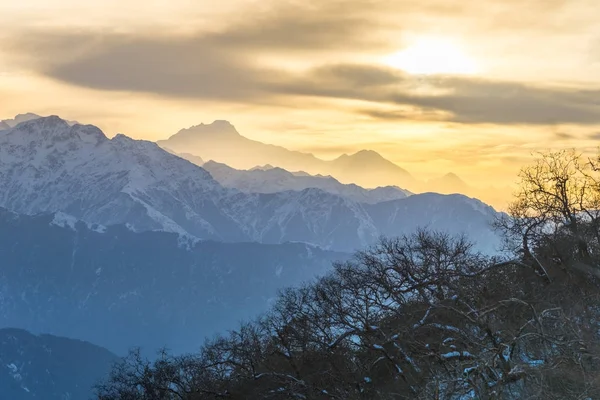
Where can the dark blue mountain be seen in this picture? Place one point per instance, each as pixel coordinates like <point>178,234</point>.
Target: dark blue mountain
<point>119,288</point>
<point>47,367</point>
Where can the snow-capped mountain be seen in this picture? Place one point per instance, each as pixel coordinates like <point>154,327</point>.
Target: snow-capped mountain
<point>49,367</point>
<point>46,165</point>
<point>274,179</point>
<point>221,142</point>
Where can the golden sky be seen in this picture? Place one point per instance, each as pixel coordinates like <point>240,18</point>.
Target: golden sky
<point>469,86</point>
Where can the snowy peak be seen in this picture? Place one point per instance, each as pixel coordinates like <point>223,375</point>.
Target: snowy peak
<point>47,165</point>
<point>54,129</point>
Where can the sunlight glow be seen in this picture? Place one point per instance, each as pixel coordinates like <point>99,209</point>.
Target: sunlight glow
<point>433,56</point>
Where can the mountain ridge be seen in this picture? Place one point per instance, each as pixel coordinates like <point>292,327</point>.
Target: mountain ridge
<point>276,179</point>
<point>46,165</point>
<point>366,168</point>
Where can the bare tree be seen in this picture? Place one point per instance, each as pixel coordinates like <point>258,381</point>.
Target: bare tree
<point>555,214</point>
<point>423,316</point>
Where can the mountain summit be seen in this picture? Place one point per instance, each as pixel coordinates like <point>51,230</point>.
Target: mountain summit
<point>218,128</point>
<point>449,183</point>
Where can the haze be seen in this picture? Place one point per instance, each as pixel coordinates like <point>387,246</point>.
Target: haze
<point>470,87</point>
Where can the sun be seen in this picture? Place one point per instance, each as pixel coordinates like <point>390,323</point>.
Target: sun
<point>433,56</point>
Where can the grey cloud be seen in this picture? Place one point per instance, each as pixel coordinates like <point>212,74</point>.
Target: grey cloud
<point>564,135</point>
<point>476,101</point>
<point>223,66</point>
<point>402,115</point>
<point>468,100</point>
<point>297,26</point>
<point>187,68</point>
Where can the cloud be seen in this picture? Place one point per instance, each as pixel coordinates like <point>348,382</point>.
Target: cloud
<point>564,135</point>
<point>234,64</point>
<point>482,101</point>
<point>465,99</point>
<point>413,114</point>
<point>306,26</point>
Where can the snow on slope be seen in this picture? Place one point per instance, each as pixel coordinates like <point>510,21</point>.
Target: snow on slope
<point>274,179</point>
<point>46,165</point>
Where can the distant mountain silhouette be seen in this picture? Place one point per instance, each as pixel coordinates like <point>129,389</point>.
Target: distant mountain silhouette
<point>221,142</point>
<point>11,123</point>
<point>449,183</point>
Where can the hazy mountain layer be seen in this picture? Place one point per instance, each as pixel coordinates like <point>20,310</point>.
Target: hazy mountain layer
<point>221,142</point>
<point>273,180</point>
<point>11,123</point>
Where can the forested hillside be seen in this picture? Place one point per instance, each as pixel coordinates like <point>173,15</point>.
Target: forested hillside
<point>423,316</point>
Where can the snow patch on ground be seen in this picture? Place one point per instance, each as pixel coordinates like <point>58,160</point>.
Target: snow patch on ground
<point>64,220</point>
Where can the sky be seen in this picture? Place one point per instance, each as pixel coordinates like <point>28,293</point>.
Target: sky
<point>471,86</point>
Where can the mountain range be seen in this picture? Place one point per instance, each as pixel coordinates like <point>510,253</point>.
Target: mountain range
<point>48,165</point>
<point>49,367</point>
<point>275,179</point>
<point>221,142</point>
